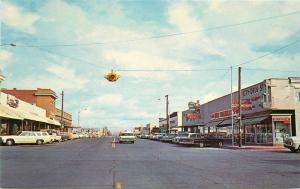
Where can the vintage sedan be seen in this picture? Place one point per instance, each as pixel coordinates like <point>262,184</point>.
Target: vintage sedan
<point>201,141</point>
<point>168,137</point>
<point>127,137</point>
<point>27,137</point>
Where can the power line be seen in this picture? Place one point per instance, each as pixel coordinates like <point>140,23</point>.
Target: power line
<point>268,54</point>
<point>170,70</point>
<point>270,70</point>
<point>166,35</point>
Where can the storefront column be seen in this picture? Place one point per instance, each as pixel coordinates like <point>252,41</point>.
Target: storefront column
<point>273,132</point>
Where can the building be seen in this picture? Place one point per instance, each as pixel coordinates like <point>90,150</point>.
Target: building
<point>17,115</point>
<point>162,124</point>
<point>43,98</point>
<point>66,120</point>
<point>175,122</point>
<point>137,130</point>
<point>270,112</point>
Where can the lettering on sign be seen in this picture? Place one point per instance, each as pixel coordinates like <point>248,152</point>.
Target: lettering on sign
<point>285,120</point>
<point>255,89</point>
<point>192,116</point>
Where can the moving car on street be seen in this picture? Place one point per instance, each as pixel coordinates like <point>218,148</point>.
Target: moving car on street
<point>27,137</point>
<point>292,143</point>
<point>127,137</point>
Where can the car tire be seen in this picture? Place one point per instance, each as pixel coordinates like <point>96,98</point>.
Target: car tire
<point>220,144</point>
<point>132,142</point>
<point>295,150</point>
<point>201,144</point>
<point>120,142</point>
<point>10,142</point>
<point>39,142</point>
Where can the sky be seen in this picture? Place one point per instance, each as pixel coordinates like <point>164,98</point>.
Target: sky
<point>180,48</point>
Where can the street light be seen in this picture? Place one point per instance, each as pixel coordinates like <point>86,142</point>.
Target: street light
<point>167,113</point>
<point>80,110</point>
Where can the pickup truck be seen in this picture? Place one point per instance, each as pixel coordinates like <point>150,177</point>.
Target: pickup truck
<point>292,143</point>
<point>127,137</point>
<point>27,137</point>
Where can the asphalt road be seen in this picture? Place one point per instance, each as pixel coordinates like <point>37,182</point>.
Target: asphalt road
<point>94,163</point>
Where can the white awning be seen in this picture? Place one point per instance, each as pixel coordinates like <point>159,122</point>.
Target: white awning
<point>10,113</point>
<point>53,122</point>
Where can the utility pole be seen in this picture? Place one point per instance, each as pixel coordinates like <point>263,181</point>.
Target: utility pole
<point>240,106</point>
<point>231,99</point>
<point>167,113</point>
<point>62,110</point>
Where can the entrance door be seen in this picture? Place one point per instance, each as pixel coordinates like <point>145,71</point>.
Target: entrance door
<point>282,130</point>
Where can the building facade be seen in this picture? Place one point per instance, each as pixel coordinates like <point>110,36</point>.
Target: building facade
<point>66,120</point>
<point>17,115</point>
<point>270,112</point>
<point>43,98</point>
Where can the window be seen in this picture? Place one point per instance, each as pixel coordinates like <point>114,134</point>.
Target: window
<point>38,134</point>
<point>45,134</point>
<point>31,134</point>
<point>24,134</point>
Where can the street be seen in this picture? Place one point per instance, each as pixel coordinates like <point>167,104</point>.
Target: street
<point>95,163</point>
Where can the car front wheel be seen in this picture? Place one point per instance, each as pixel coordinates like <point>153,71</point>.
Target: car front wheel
<point>295,150</point>
<point>10,142</point>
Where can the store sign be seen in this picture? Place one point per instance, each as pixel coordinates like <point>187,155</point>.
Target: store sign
<point>192,116</point>
<point>12,102</point>
<point>259,88</point>
<point>246,105</point>
<point>285,120</point>
<point>194,106</point>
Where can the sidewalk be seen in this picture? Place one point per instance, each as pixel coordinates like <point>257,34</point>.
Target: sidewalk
<point>257,148</point>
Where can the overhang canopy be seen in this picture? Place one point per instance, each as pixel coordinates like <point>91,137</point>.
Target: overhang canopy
<point>6,112</point>
<point>253,121</point>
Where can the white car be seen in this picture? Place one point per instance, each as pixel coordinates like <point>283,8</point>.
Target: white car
<point>127,137</point>
<point>27,137</point>
<point>292,143</point>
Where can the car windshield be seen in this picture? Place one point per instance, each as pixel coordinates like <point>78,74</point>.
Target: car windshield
<point>126,134</point>
<point>149,94</point>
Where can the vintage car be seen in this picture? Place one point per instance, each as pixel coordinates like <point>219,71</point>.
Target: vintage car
<point>27,137</point>
<point>180,136</point>
<point>127,137</point>
<point>292,143</point>
<point>54,134</point>
<point>201,141</point>
<point>168,137</point>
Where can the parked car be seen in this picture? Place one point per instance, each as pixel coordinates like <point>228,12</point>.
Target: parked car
<point>27,137</point>
<point>201,141</point>
<point>180,136</point>
<point>292,143</point>
<point>64,136</point>
<point>127,137</point>
<point>54,134</point>
<point>188,139</point>
<point>168,137</point>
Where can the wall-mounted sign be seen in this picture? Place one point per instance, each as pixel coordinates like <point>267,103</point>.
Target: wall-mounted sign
<point>192,116</point>
<point>12,101</point>
<point>285,120</point>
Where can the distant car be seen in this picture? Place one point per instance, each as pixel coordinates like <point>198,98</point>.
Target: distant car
<point>292,143</point>
<point>27,137</point>
<point>127,137</point>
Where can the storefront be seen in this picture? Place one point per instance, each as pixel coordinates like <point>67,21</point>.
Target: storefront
<point>268,111</point>
<point>17,115</point>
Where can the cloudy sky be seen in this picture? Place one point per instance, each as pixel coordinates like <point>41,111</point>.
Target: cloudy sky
<point>69,45</point>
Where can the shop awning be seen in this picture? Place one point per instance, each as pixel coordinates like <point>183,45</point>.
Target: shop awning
<point>213,123</point>
<point>6,112</point>
<point>252,121</point>
<point>53,122</point>
<point>226,122</point>
<point>31,116</point>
